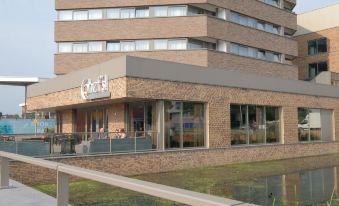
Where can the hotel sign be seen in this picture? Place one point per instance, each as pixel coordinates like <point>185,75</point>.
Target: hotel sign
<point>95,90</point>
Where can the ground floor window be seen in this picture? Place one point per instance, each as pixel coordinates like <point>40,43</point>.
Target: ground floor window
<point>141,117</point>
<point>184,124</point>
<point>91,120</point>
<point>315,124</point>
<point>251,124</point>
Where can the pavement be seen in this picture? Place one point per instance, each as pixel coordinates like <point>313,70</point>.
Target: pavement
<point>21,195</point>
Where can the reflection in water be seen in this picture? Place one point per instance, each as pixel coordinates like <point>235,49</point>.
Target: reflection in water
<point>314,187</point>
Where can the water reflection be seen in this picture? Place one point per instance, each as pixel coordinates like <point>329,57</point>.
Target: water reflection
<point>314,187</point>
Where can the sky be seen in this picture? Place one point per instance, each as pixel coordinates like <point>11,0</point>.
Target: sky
<point>27,43</point>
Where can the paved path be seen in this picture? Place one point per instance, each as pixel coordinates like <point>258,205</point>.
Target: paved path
<point>21,195</point>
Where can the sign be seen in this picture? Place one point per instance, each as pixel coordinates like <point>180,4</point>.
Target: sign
<point>95,90</point>
<point>25,126</point>
<point>35,121</point>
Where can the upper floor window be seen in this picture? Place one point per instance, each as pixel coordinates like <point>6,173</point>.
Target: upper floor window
<point>80,15</point>
<point>253,23</point>
<point>272,2</point>
<point>95,14</point>
<point>65,15</point>
<point>317,46</point>
<point>170,11</point>
<point>316,68</point>
<point>254,52</point>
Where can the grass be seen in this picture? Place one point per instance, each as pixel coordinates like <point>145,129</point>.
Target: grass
<point>237,181</point>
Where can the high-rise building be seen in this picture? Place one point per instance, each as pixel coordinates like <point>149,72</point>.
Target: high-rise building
<point>230,35</point>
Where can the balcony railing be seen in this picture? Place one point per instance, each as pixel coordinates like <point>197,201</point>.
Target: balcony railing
<point>80,143</point>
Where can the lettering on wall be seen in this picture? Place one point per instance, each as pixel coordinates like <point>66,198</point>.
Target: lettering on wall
<point>95,90</point>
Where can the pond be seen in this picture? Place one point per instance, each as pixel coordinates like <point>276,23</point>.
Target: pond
<point>302,182</point>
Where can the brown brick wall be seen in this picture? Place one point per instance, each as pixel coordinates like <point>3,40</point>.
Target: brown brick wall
<point>65,63</point>
<point>116,117</point>
<point>134,164</point>
<point>332,56</point>
<point>67,121</point>
<point>253,7</point>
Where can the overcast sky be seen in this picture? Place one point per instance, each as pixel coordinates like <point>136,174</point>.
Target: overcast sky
<point>27,45</point>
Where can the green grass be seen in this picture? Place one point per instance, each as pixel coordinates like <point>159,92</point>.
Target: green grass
<point>228,181</point>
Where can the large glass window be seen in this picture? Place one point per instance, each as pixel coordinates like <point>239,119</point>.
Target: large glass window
<point>184,124</point>
<point>177,44</point>
<point>65,47</point>
<point>160,44</point>
<point>113,46</point>
<point>252,124</point>
<point>80,15</point>
<point>142,12</point>
<point>95,46</point>
<point>141,117</point>
<point>316,68</point>
<point>142,45</point>
<point>65,15</point>
<point>160,11</point>
<point>80,47</point>
<point>317,46</point>
<point>315,124</point>
<point>127,46</point>
<point>95,14</point>
<point>113,13</point>
<point>127,13</point>
<point>177,11</point>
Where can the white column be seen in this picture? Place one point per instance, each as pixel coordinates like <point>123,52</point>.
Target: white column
<point>62,190</point>
<point>160,112</point>
<point>221,13</point>
<point>4,172</point>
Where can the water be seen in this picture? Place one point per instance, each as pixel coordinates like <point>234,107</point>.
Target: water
<point>299,182</point>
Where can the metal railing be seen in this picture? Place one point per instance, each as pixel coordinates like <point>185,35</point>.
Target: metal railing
<point>148,188</point>
<point>57,144</point>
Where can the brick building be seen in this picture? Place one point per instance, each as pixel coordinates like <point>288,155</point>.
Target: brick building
<point>208,76</point>
<point>318,37</point>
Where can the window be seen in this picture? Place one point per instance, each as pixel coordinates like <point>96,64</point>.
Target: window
<point>127,46</point>
<point>95,46</point>
<point>113,46</point>
<point>80,15</point>
<point>142,12</point>
<point>184,124</point>
<point>160,11</point>
<point>65,47</point>
<point>317,46</point>
<point>234,48</point>
<point>261,54</point>
<point>80,47</point>
<point>261,25</point>
<point>316,68</point>
<point>95,14</point>
<point>315,124</point>
<point>65,15</point>
<point>127,13</point>
<point>252,124</point>
<point>272,2</point>
<point>113,13</point>
<point>177,44</point>
<point>142,45</point>
<point>177,11</point>
<point>160,44</point>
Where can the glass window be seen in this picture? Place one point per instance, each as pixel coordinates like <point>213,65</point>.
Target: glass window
<point>195,44</point>
<point>177,44</point>
<point>312,47</point>
<point>261,54</point>
<point>234,48</point>
<point>234,17</point>
<point>160,44</point>
<point>239,126</point>
<point>184,124</point>
<point>95,46</point>
<point>127,13</point>
<point>243,20</point>
<point>252,22</point>
<point>80,47</point>
<point>142,12</point>
<point>316,68</point>
<point>272,2</point>
<point>322,45</point>
<point>177,11</point>
<point>142,45</point>
<point>315,124</point>
<point>252,124</point>
<point>160,11</point>
<point>261,25</point>
<point>113,13</point>
<point>65,15</point>
<point>113,46</point>
<point>252,52</point>
<point>65,47</point>
<point>80,15</point>
<point>243,51</point>
<point>127,46</point>
<point>95,14</point>
<point>269,56</point>
<point>276,57</point>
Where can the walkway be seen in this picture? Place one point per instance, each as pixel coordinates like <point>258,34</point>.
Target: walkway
<point>21,195</point>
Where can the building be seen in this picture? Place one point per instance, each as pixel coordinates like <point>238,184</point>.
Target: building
<point>318,39</point>
<point>230,35</point>
<point>201,89</point>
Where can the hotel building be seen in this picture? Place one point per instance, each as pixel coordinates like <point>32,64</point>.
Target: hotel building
<point>210,81</point>
<point>318,38</point>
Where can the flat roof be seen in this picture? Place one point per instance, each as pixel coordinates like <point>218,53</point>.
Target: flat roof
<point>18,81</point>
<point>318,20</point>
<point>128,66</point>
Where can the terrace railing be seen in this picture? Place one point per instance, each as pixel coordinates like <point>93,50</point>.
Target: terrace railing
<point>157,190</point>
<point>81,143</point>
